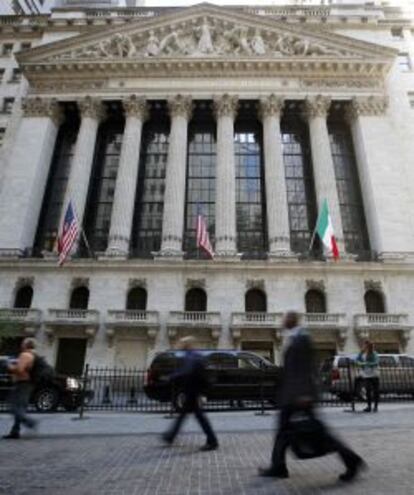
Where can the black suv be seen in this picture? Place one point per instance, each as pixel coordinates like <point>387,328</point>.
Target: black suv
<point>232,375</point>
<point>47,396</point>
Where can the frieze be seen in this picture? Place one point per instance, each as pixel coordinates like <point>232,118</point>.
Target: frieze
<point>342,83</point>
<point>203,37</point>
<point>67,85</point>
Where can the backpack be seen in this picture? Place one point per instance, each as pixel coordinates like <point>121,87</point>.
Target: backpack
<point>41,370</point>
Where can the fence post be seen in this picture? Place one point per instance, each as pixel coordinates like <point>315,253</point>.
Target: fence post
<point>262,408</point>
<point>170,413</point>
<point>83,391</point>
<point>351,385</point>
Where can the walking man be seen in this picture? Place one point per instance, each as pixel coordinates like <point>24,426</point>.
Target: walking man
<point>298,395</point>
<point>191,377</point>
<point>22,390</point>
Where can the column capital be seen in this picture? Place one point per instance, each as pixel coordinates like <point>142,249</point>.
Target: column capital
<point>92,108</point>
<point>226,105</point>
<point>366,105</point>
<point>42,107</point>
<point>135,106</point>
<point>271,106</point>
<point>180,105</point>
<point>317,106</point>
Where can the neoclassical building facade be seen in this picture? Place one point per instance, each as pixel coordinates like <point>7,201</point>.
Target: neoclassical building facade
<point>254,117</point>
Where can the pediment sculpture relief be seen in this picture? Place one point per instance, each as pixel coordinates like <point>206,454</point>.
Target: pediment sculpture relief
<point>207,37</point>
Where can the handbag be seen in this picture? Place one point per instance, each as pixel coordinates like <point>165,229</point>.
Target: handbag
<point>308,437</point>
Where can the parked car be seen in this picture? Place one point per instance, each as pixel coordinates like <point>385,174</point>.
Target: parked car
<point>233,375</point>
<point>340,376</point>
<point>48,395</point>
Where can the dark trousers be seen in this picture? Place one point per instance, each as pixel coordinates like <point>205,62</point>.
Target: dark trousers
<point>19,401</point>
<point>283,439</point>
<point>372,388</point>
<point>191,406</point>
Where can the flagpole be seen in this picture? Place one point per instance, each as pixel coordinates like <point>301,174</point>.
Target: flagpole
<point>88,247</point>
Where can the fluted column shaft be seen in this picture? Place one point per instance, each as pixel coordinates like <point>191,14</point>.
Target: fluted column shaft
<point>226,232</point>
<point>91,111</point>
<point>26,173</point>
<point>275,179</point>
<point>174,199</point>
<point>323,166</point>
<point>126,180</point>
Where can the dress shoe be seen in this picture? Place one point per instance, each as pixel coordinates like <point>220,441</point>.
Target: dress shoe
<point>367,409</point>
<point>209,446</point>
<point>352,470</point>
<point>273,473</point>
<point>12,436</point>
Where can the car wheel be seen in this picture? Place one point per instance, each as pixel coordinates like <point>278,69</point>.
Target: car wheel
<point>360,390</point>
<point>46,399</point>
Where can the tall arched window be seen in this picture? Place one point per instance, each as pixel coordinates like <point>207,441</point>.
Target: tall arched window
<point>137,299</point>
<point>315,301</point>
<point>79,298</point>
<point>149,198</point>
<point>103,180</point>
<point>24,296</point>
<point>374,301</point>
<point>250,190</point>
<point>196,300</point>
<point>255,300</point>
<point>299,179</point>
<point>347,183</point>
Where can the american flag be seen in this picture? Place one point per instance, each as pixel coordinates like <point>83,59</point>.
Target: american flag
<point>203,239</point>
<point>69,233</point>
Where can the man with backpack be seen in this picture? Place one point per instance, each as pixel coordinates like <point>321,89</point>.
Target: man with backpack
<point>192,378</point>
<point>23,387</point>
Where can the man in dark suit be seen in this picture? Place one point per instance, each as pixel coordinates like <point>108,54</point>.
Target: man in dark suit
<point>298,395</point>
<point>192,378</point>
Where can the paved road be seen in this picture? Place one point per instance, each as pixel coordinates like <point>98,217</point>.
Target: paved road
<point>114,454</point>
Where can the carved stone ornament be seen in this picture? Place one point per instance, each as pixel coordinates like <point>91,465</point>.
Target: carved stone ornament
<point>137,282</point>
<point>226,106</point>
<point>255,284</point>
<point>373,285</point>
<point>136,106</point>
<point>317,106</point>
<point>204,37</point>
<point>80,282</point>
<point>271,106</point>
<point>42,107</point>
<point>368,106</point>
<point>92,108</point>
<point>180,106</point>
<point>315,285</point>
<point>195,283</point>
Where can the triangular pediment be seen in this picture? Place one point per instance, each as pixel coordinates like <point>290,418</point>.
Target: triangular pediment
<point>204,34</point>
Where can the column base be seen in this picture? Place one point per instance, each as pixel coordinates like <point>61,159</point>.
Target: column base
<point>282,256</point>
<point>168,254</point>
<point>392,257</point>
<point>229,255</point>
<point>116,254</point>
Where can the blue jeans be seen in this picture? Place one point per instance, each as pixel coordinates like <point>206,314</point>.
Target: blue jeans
<point>19,401</point>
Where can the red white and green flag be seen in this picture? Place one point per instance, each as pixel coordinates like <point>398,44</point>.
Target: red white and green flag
<point>325,231</point>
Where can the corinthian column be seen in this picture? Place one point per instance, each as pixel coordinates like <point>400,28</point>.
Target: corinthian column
<point>92,113</point>
<point>173,217</point>
<point>126,180</point>
<point>225,109</point>
<point>323,166</point>
<point>370,132</point>
<point>275,179</point>
<point>25,177</point>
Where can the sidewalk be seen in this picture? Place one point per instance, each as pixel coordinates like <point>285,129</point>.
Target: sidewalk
<point>121,454</point>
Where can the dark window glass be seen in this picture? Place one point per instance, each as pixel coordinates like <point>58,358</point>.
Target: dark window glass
<point>255,300</point>
<point>222,361</point>
<point>54,197</point>
<point>299,182</point>
<point>149,198</point>
<point>250,195</point>
<point>137,299</point>
<point>24,296</point>
<point>201,179</point>
<point>374,302</point>
<point>196,300</point>
<point>315,301</point>
<point>349,191</point>
<point>387,362</point>
<point>79,298</point>
<point>8,105</point>
<point>407,362</point>
<point>7,49</point>
<point>102,185</point>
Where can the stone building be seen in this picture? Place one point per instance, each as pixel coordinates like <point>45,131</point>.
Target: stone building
<point>250,116</point>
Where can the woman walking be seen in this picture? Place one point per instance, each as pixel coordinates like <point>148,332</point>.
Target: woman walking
<point>368,362</point>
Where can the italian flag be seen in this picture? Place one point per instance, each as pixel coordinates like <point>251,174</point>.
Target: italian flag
<point>324,229</point>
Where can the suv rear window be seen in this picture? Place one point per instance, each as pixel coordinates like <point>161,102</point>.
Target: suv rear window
<point>407,362</point>
<point>221,360</point>
<point>165,361</point>
<point>387,362</point>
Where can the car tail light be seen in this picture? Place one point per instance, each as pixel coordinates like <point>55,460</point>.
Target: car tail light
<point>335,375</point>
